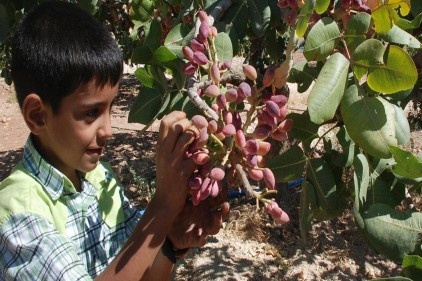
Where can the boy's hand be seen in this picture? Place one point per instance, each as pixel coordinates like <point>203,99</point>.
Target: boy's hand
<point>195,223</point>
<point>173,167</point>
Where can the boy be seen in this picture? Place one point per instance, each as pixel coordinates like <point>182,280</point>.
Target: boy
<point>63,215</point>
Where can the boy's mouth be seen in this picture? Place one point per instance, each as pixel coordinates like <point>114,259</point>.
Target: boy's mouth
<point>98,151</point>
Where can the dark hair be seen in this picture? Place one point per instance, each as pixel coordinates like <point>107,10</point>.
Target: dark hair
<point>58,47</point>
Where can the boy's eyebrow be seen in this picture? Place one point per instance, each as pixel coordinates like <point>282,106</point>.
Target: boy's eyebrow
<point>95,104</point>
<point>99,103</point>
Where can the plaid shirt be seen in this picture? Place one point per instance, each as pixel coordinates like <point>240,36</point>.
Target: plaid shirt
<point>49,231</point>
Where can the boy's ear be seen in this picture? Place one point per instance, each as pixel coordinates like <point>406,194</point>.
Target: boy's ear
<point>34,113</point>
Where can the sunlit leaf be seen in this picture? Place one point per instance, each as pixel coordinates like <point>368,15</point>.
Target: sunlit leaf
<point>361,180</point>
<point>223,44</point>
<point>321,6</point>
<point>328,90</point>
<point>389,70</point>
<point>407,164</point>
<point>399,72</point>
<point>321,39</point>
<point>151,77</point>
<point>399,36</point>
<point>383,19</point>
<point>412,266</point>
<point>303,17</point>
<point>175,38</point>
<point>402,126</point>
<point>142,10</point>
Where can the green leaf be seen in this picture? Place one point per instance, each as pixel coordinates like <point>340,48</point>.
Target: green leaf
<point>391,232</point>
<point>275,44</point>
<point>163,55</point>
<point>321,6</point>
<point>307,201</point>
<point>260,16</point>
<point>143,54</point>
<point>145,77</point>
<point>402,126</point>
<point>146,107</point>
<point>383,19</point>
<point>324,184</point>
<point>224,48</point>
<point>238,17</point>
<point>88,5</point>
<point>368,54</point>
<point>407,164</point>
<point>361,180</point>
<point>303,128</point>
<point>321,39</point>
<point>346,157</point>
<point>389,70</point>
<point>410,25</point>
<point>304,74</point>
<point>151,77</point>
<point>142,10</point>
<point>412,266</point>
<point>181,102</point>
<point>399,36</point>
<point>356,29</point>
<point>4,23</point>
<point>303,17</point>
<point>370,122</point>
<point>384,187</point>
<point>328,90</point>
<point>175,38</point>
<point>167,59</point>
<point>289,165</point>
<point>399,72</point>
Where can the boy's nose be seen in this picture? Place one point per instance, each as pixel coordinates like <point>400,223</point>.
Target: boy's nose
<point>105,131</point>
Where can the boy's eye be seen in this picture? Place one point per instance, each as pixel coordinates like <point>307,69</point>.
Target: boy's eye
<point>92,113</point>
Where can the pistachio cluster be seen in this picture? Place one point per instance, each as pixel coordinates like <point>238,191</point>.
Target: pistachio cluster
<point>230,149</point>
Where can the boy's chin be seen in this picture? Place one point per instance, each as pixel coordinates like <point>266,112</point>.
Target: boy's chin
<point>90,166</point>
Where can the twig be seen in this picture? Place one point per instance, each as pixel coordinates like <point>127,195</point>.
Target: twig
<point>248,188</point>
<point>283,70</point>
<point>197,101</point>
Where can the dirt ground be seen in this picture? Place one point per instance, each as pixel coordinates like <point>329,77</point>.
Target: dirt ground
<point>250,246</point>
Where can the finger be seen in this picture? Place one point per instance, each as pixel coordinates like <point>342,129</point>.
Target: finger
<point>177,133</point>
<point>167,122</point>
<point>216,218</point>
<point>186,138</point>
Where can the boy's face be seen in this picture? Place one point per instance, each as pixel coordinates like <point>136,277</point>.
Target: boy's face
<point>75,137</point>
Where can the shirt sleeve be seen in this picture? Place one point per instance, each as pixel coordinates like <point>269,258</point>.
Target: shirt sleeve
<point>32,249</point>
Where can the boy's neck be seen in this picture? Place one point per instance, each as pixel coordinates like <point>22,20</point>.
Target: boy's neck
<point>76,180</point>
<point>75,176</point>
